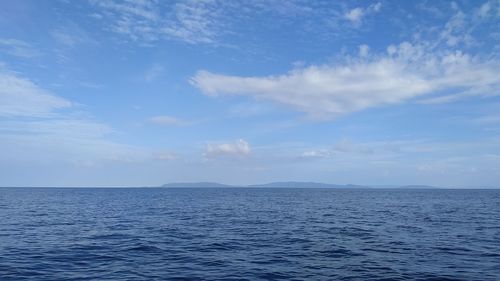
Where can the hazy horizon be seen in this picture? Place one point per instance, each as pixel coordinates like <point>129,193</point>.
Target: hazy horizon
<point>285,184</point>
<point>124,93</point>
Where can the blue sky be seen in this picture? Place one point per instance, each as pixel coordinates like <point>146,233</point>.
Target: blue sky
<point>140,93</point>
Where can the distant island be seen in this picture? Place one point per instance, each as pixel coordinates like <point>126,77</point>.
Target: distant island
<point>289,184</point>
<point>299,184</point>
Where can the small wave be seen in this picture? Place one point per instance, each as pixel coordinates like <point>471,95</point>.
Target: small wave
<point>144,248</point>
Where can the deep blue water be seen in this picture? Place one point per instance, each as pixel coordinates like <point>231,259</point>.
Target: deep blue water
<point>249,234</point>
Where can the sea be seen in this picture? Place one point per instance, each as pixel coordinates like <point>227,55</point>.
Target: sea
<point>249,234</point>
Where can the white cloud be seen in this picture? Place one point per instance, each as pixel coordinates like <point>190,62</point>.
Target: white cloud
<point>376,7</point>
<point>356,15</point>
<point>21,97</point>
<point>194,22</point>
<point>165,120</point>
<point>238,148</point>
<point>405,73</point>
<point>137,19</point>
<point>489,8</point>
<point>459,29</point>
<point>145,9</point>
<point>188,21</point>
<point>455,31</point>
<point>17,48</point>
<point>484,10</point>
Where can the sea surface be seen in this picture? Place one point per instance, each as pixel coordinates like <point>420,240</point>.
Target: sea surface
<point>248,234</point>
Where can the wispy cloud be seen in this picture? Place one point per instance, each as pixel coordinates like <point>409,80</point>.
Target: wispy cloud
<point>54,145</point>
<point>239,148</point>
<point>21,97</point>
<point>346,149</point>
<point>188,21</point>
<point>139,20</point>
<point>340,147</point>
<point>217,23</point>
<point>443,161</point>
<point>18,48</point>
<point>356,15</point>
<point>35,128</point>
<point>194,22</point>
<point>456,30</point>
<point>489,8</point>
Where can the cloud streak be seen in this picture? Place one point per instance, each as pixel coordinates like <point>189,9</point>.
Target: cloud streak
<point>406,72</point>
<point>18,48</point>
<point>21,97</point>
<point>34,127</point>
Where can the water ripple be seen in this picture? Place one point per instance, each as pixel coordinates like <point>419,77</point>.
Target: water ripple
<point>249,234</point>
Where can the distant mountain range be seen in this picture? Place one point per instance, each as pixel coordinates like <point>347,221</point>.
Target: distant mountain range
<point>307,185</point>
<point>195,184</point>
<point>289,184</point>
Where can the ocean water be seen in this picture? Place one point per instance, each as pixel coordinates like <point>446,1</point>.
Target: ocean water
<point>249,234</point>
